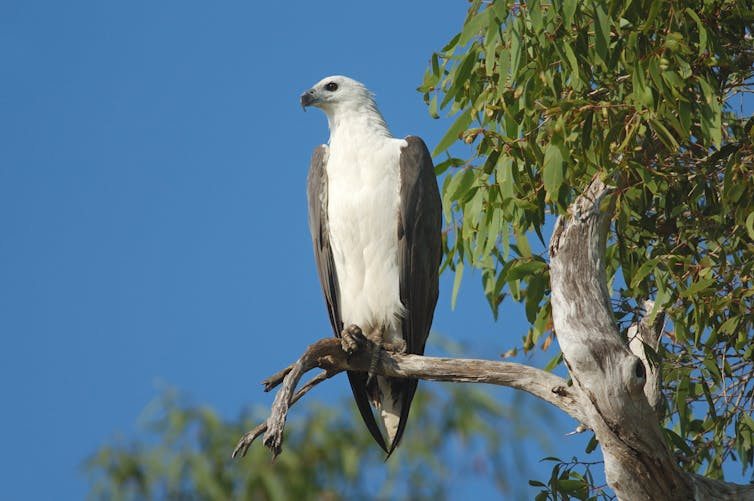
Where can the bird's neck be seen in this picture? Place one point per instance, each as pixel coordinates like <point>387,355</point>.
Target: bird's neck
<point>363,120</point>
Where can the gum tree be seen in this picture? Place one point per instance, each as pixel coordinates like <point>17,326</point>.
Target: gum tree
<point>631,114</point>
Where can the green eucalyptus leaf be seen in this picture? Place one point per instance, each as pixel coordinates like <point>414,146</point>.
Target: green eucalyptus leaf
<point>456,284</point>
<point>553,170</point>
<point>461,123</point>
<point>750,225</point>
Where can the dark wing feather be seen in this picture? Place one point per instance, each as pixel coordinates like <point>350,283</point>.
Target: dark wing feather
<point>420,253</point>
<point>317,196</point>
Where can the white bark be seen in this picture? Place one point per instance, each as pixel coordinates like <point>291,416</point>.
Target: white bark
<point>643,337</point>
<point>615,382</point>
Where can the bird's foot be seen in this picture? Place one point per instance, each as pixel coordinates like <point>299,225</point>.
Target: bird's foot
<point>352,339</point>
<point>397,346</point>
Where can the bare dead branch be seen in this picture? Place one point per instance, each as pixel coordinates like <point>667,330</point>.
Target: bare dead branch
<point>248,438</point>
<point>328,355</point>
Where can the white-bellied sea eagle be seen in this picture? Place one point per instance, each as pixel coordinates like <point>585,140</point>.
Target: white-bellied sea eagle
<point>375,216</point>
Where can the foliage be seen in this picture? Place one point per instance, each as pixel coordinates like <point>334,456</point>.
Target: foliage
<point>185,453</point>
<point>548,95</point>
<point>567,483</point>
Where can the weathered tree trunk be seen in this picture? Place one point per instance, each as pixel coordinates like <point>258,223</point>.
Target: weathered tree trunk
<point>612,380</point>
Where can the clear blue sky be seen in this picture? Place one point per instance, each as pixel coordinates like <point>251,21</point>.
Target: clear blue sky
<point>153,159</point>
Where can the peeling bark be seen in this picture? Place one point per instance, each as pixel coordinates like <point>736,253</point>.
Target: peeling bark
<point>643,341</point>
<point>615,382</point>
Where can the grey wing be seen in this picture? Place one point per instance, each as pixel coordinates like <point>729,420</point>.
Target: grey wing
<point>420,253</point>
<point>317,197</point>
<point>316,192</point>
<point>419,242</point>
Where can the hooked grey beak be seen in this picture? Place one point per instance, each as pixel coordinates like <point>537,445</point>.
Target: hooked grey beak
<point>307,99</point>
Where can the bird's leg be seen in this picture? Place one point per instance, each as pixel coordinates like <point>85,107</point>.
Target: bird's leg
<point>376,336</point>
<point>373,363</point>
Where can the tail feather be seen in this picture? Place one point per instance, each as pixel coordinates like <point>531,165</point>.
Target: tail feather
<point>393,396</point>
<point>390,407</point>
<point>358,382</point>
<point>403,390</point>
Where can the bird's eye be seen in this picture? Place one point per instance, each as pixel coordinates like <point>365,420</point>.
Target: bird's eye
<point>331,86</point>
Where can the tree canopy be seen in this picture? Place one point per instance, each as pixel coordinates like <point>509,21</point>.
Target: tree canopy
<point>648,96</point>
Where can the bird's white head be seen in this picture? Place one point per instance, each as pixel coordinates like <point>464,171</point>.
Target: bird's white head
<point>335,93</point>
<point>342,97</point>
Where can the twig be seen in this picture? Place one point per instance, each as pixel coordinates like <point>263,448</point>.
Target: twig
<point>248,438</point>
<point>277,378</point>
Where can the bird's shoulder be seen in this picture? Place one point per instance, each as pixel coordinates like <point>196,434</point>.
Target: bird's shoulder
<point>320,151</point>
<point>415,155</point>
<point>320,154</point>
<point>415,142</point>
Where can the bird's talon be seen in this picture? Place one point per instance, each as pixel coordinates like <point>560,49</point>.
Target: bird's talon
<point>352,339</point>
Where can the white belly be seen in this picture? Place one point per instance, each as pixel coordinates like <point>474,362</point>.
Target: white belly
<point>363,204</point>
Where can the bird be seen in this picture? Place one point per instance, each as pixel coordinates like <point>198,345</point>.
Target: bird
<point>375,216</point>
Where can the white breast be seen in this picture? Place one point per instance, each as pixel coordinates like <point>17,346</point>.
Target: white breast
<point>363,204</point>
